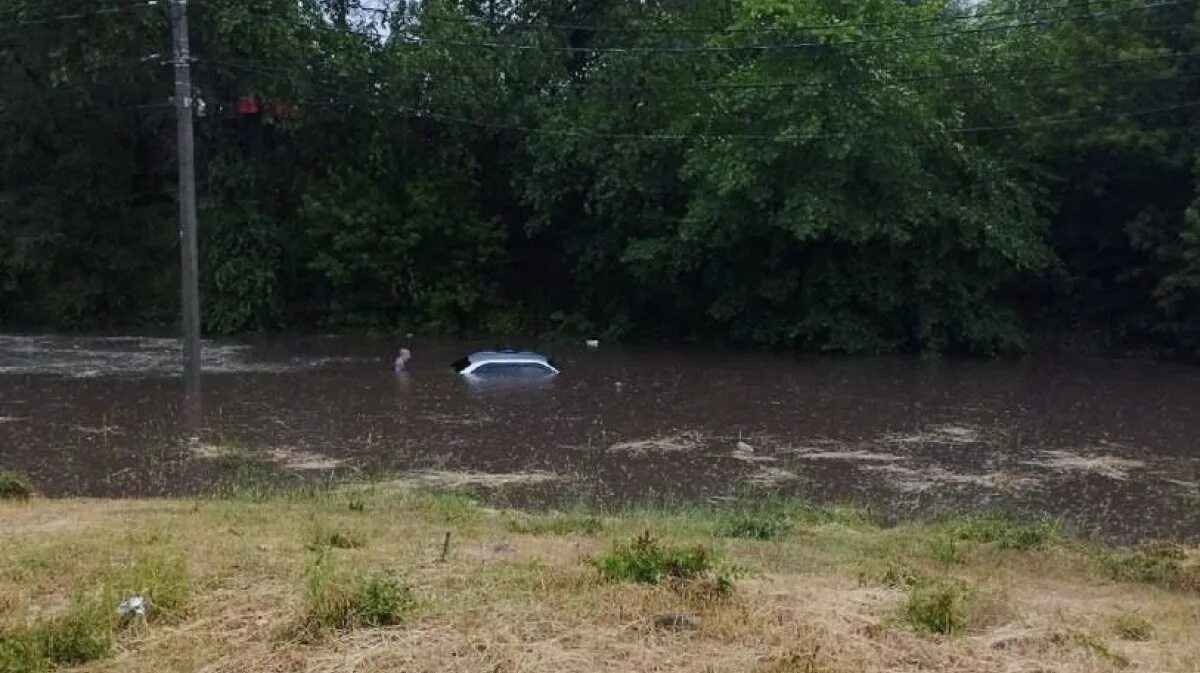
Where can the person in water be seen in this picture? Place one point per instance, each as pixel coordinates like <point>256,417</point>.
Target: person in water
<point>401,362</point>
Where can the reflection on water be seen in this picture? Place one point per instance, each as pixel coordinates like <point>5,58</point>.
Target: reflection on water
<point>1113,444</point>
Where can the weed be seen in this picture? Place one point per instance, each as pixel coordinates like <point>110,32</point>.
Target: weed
<point>750,526</point>
<point>940,607</point>
<point>558,525</point>
<point>1159,564</point>
<point>337,603</point>
<point>16,486</point>
<point>646,560</point>
<point>84,633</point>
<point>1132,626</point>
<point>1097,647</point>
<point>1005,534</point>
<point>945,549</point>
<point>895,575</point>
<point>811,660</point>
<point>336,539</point>
<point>160,577</point>
<point>357,505</point>
<point>450,506</point>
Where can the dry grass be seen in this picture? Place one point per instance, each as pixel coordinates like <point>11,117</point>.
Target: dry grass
<point>827,594</point>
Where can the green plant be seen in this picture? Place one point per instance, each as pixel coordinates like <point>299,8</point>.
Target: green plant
<point>940,607</point>
<point>16,486</point>
<point>1097,647</point>
<point>1160,564</point>
<point>336,539</point>
<point>558,525</point>
<point>1132,626</point>
<point>1005,534</point>
<point>160,577</point>
<point>648,561</point>
<point>81,634</point>
<point>895,575</point>
<point>751,526</point>
<point>945,548</point>
<point>336,602</point>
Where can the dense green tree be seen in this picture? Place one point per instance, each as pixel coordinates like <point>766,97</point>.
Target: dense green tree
<point>858,176</point>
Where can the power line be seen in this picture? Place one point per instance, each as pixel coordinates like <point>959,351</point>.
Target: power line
<point>1040,123</point>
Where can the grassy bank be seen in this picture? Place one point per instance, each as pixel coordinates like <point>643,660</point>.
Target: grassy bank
<point>402,580</point>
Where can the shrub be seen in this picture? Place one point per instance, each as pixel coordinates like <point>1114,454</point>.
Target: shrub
<point>646,560</point>
<point>16,486</point>
<point>940,607</point>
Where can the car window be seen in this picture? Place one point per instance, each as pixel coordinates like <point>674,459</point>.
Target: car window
<point>512,369</point>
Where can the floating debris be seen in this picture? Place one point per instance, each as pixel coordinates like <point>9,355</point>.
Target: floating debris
<point>770,476</point>
<point>684,441</point>
<point>856,455</point>
<point>301,460</point>
<point>1113,467</point>
<point>451,479</point>
<point>950,434</point>
<point>913,480</point>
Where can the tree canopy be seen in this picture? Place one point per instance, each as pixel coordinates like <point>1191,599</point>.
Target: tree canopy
<point>848,175</point>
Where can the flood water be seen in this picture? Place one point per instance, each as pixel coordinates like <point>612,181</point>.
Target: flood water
<point>1111,445</point>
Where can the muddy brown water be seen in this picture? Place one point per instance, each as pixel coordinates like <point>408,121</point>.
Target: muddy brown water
<point>1113,446</point>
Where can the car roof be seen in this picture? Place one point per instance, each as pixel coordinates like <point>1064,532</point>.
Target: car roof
<point>506,356</point>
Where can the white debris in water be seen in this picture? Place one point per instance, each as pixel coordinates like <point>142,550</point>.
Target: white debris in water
<point>452,479</point>
<point>91,357</point>
<point>951,434</point>
<point>769,476</point>
<point>1113,467</point>
<point>300,460</point>
<point>11,419</point>
<point>918,480</point>
<point>683,441</point>
<point>856,455</point>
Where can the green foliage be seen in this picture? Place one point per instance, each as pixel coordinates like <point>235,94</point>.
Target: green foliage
<point>874,198</point>
<point>939,607</point>
<point>16,486</point>
<point>648,561</point>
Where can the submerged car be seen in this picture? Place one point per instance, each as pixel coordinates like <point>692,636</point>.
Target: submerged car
<point>506,362</point>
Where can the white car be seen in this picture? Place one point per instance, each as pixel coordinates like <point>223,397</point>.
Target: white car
<point>507,362</point>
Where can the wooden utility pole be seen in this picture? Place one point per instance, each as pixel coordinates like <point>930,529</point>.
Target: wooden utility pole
<point>189,268</point>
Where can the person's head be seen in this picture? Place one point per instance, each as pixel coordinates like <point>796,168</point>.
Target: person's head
<point>405,355</point>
